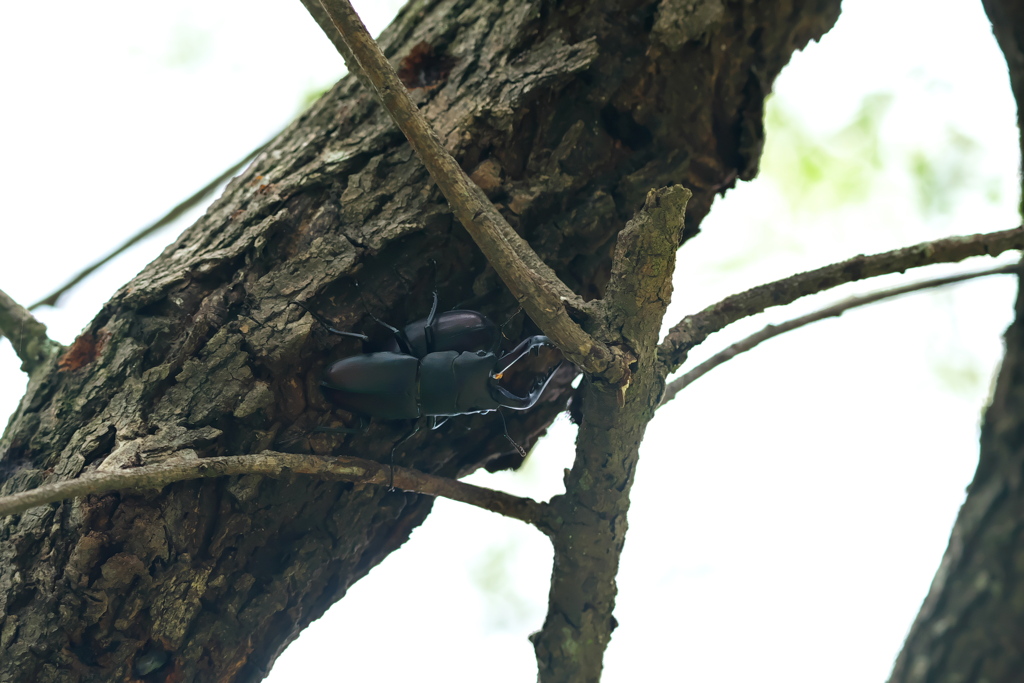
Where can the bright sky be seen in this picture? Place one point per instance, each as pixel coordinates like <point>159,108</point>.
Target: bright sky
<point>790,508</point>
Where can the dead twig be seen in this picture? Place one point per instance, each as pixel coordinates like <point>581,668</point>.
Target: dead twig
<point>174,214</point>
<point>277,465</point>
<point>694,329</point>
<point>835,310</point>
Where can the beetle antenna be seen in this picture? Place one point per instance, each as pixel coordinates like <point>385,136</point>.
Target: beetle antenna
<point>508,320</point>
<point>403,340</point>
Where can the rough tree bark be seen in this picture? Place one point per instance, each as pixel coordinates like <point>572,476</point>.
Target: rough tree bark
<point>565,113</point>
<point>971,625</point>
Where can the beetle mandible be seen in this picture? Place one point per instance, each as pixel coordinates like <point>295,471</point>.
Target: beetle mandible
<point>440,366</point>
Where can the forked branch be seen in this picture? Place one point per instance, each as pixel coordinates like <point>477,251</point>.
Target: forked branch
<point>835,310</point>
<point>589,520</point>
<point>694,329</point>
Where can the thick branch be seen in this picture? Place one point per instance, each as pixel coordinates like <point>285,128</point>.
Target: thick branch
<point>640,287</point>
<point>278,466</point>
<point>27,335</point>
<point>694,329</point>
<point>590,518</point>
<point>835,310</point>
<point>535,286</point>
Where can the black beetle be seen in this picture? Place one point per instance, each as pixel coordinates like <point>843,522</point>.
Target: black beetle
<point>458,330</point>
<point>443,365</point>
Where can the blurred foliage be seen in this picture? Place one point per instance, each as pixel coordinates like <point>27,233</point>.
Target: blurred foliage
<point>312,95</point>
<point>505,608</point>
<point>190,47</point>
<point>959,373</point>
<point>933,169</point>
<point>953,167</point>
<point>820,174</point>
<point>764,239</point>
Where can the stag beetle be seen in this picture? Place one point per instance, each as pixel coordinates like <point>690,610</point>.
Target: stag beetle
<point>443,365</point>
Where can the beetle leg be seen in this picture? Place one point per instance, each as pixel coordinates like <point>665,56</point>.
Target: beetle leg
<point>364,425</point>
<point>519,449</point>
<point>400,336</point>
<point>391,466</point>
<point>326,325</point>
<point>428,329</point>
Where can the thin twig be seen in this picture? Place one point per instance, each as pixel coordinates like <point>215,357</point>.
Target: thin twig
<point>530,280</point>
<point>27,335</point>
<point>277,466</point>
<point>168,218</point>
<point>694,329</point>
<point>835,310</point>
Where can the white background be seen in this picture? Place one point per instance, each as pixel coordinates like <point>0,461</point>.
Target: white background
<point>790,508</point>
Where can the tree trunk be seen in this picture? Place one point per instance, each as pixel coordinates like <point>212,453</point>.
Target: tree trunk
<point>566,114</point>
<point>971,624</point>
